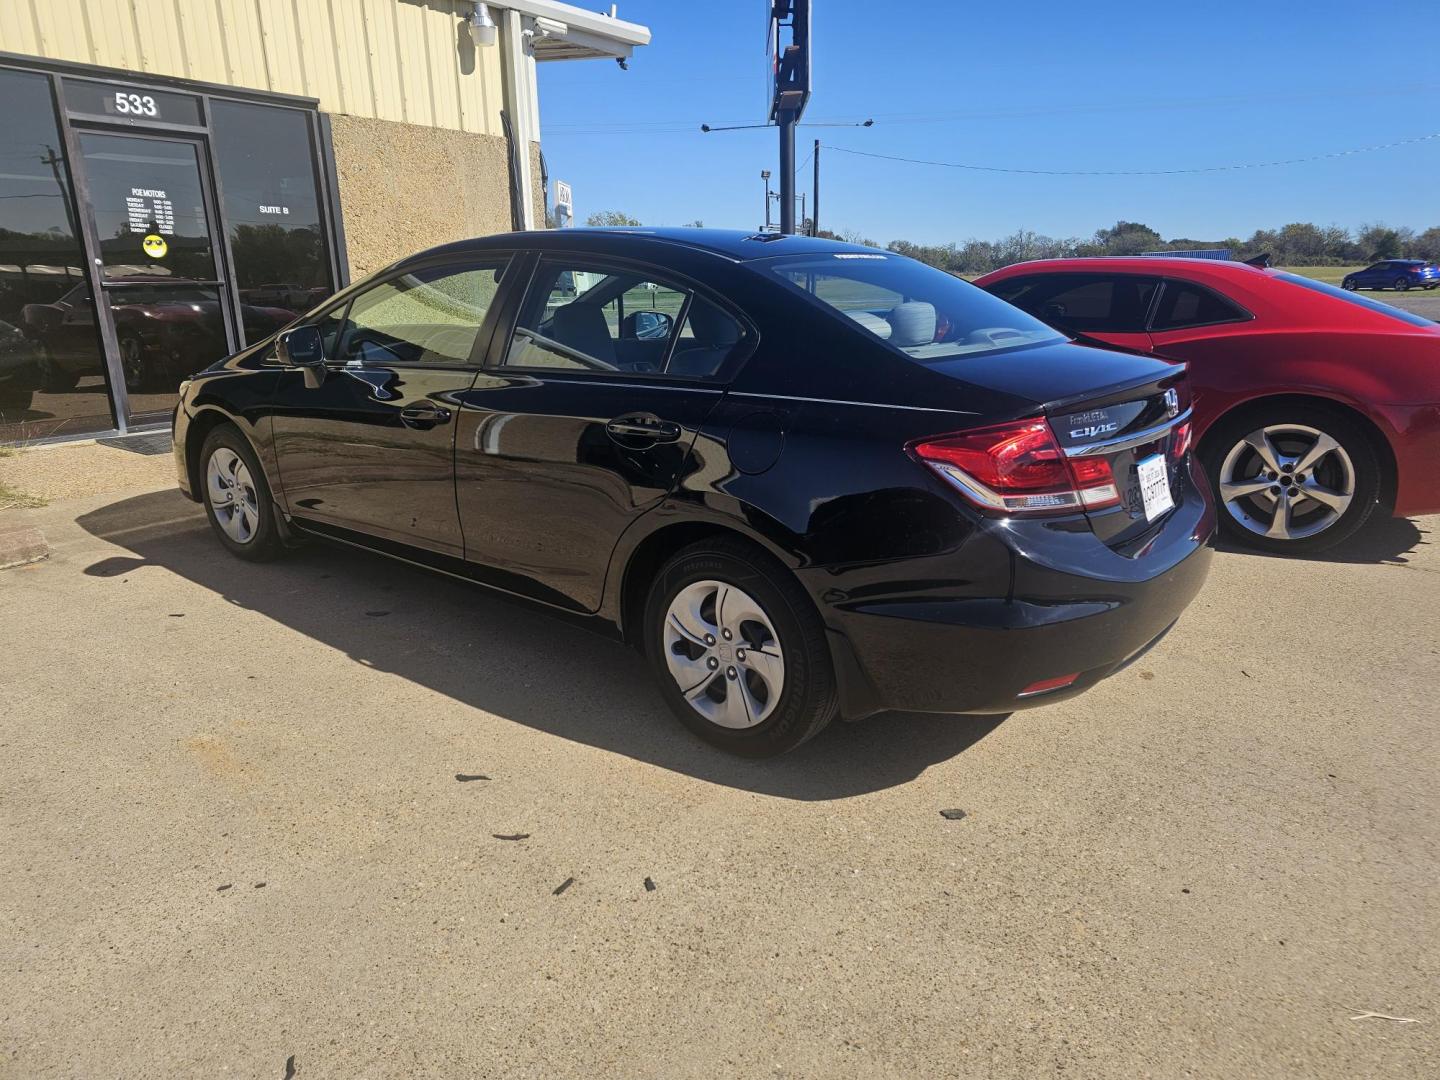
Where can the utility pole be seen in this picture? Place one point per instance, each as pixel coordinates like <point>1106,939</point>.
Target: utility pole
<point>792,92</point>
<point>815,194</point>
<point>765,175</point>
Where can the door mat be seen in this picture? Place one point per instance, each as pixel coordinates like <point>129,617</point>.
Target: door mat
<point>150,445</point>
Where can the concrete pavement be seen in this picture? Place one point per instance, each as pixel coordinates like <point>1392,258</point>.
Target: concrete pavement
<point>231,832</point>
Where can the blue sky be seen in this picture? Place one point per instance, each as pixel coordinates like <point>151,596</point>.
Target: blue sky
<point>1029,84</point>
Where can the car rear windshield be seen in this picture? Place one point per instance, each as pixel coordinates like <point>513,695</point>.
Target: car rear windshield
<point>927,314</point>
<point>1358,300</point>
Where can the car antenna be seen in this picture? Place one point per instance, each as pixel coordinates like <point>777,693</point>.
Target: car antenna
<point>1263,261</point>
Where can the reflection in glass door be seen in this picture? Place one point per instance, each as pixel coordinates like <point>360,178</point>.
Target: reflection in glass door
<point>160,274</point>
<point>52,373</point>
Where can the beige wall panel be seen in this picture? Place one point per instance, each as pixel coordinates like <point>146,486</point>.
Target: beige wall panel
<point>158,32</point>
<point>414,64</point>
<point>384,59</point>
<point>403,60</point>
<point>17,29</point>
<point>388,197</point>
<point>240,28</point>
<point>62,30</point>
<point>441,40</point>
<point>282,48</point>
<point>318,48</point>
<point>352,58</point>
<point>112,33</point>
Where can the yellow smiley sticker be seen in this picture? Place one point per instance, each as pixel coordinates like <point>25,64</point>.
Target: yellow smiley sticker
<point>154,246</point>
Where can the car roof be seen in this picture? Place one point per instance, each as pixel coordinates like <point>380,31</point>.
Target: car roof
<point>736,245</point>
<point>1200,269</point>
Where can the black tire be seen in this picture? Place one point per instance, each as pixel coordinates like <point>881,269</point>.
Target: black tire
<point>1353,440</point>
<point>1348,285</point>
<point>15,399</point>
<point>1402,284</point>
<point>807,700</point>
<point>55,379</point>
<point>264,542</point>
<point>133,362</point>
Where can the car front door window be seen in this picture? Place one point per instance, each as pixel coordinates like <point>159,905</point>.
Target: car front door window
<point>429,317</point>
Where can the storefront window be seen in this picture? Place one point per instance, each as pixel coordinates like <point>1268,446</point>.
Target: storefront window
<point>265,161</point>
<point>52,374</point>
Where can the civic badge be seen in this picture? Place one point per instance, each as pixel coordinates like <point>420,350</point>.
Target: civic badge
<point>1172,402</point>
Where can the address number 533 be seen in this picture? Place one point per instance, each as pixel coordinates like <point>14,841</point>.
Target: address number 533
<point>135,104</point>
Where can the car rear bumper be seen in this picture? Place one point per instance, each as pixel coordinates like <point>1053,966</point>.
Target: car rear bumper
<point>1415,439</point>
<point>179,428</point>
<point>1075,607</point>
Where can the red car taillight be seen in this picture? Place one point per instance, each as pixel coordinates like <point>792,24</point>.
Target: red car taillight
<point>1180,440</point>
<point>1019,468</point>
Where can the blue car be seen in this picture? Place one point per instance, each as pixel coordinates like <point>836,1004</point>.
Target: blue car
<point>1400,274</point>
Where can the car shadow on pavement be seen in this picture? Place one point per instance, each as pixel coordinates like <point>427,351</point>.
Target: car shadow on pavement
<point>1382,540</point>
<point>485,651</point>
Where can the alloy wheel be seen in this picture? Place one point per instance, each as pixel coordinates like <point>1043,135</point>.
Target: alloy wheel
<point>1287,481</point>
<point>1402,284</point>
<point>722,650</point>
<point>231,493</point>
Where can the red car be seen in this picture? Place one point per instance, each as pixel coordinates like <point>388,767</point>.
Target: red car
<point>1312,405</point>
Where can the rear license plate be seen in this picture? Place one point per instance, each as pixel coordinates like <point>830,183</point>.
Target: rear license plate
<point>1154,485</point>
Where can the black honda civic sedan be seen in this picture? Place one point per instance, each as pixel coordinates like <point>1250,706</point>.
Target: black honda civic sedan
<point>807,479</point>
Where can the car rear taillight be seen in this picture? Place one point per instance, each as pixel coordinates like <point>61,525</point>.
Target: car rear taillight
<point>1180,440</point>
<point>1046,686</point>
<point>1019,468</point>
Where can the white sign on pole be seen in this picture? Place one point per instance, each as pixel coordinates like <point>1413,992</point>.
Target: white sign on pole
<point>564,202</point>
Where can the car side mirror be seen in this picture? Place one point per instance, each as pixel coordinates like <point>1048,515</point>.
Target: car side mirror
<point>302,347</point>
<point>647,326</point>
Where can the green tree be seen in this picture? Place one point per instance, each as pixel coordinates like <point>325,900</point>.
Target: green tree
<point>1128,238</point>
<point>612,219</point>
<point>1379,242</point>
<point>1427,244</point>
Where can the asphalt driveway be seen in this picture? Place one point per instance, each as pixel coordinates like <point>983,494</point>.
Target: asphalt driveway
<point>338,810</point>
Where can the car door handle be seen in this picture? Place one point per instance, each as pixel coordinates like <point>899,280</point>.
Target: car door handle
<point>424,414</point>
<point>643,426</point>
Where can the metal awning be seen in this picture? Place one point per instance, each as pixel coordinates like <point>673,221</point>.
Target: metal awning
<point>566,32</point>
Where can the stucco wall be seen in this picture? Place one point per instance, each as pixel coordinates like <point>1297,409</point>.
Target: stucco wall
<point>537,192</point>
<point>404,188</point>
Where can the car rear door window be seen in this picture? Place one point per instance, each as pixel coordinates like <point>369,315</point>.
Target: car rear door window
<point>1184,304</point>
<point>1085,303</point>
<point>586,317</point>
<point>430,316</point>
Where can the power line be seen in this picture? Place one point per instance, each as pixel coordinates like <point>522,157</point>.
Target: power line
<point>1139,172</point>
<point>1266,97</point>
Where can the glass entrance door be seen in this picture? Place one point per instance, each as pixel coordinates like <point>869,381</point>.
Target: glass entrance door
<point>160,266</point>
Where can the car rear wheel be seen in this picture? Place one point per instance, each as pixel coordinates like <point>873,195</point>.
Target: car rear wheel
<point>738,650</point>
<point>237,497</point>
<point>55,379</point>
<point>132,362</point>
<point>1402,284</point>
<point>1297,480</point>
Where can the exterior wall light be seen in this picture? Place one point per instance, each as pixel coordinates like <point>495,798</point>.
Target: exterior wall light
<point>482,26</point>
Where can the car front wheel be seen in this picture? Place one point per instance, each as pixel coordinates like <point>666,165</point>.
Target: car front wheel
<point>1402,284</point>
<point>1348,284</point>
<point>1298,480</point>
<point>738,650</point>
<point>237,497</point>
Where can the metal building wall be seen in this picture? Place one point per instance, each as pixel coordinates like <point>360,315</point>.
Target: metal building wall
<point>403,60</point>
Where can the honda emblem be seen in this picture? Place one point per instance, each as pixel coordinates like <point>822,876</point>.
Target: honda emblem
<point>1172,402</point>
